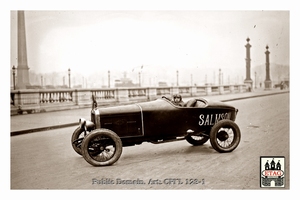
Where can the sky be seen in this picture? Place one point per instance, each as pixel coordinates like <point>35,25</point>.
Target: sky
<point>197,43</point>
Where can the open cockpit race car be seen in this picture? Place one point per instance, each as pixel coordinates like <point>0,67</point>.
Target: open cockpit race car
<point>101,139</point>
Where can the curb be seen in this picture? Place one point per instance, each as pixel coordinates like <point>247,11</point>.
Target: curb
<point>21,132</point>
<point>14,133</point>
<point>254,96</point>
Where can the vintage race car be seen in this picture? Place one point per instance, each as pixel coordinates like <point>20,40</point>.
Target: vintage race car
<point>101,139</point>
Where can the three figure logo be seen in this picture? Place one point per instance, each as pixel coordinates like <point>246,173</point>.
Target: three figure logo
<point>272,171</point>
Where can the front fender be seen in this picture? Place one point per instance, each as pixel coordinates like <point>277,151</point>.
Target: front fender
<point>86,125</point>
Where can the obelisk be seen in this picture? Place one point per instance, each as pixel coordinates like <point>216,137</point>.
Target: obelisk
<point>22,69</point>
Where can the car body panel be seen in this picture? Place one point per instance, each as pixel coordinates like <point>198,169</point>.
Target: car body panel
<point>161,119</point>
<point>125,120</point>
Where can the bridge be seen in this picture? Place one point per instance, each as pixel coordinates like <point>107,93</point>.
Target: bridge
<point>45,100</point>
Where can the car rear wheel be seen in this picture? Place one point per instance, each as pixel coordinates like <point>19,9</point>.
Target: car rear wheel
<point>225,136</point>
<point>196,140</point>
<point>76,140</point>
<point>101,147</point>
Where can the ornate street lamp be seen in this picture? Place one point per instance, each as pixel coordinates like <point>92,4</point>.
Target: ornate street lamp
<point>14,76</point>
<point>220,76</point>
<point>177,77</point>
<point>83,82</point>
<point>108,79</point>
<point>69,73</point>
<point>255,80</point>
<point>139,79</point>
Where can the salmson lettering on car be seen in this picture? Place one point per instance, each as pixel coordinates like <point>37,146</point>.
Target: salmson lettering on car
<point>101,139</point>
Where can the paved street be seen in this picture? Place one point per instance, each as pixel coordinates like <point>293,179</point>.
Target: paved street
<point>46,160</point>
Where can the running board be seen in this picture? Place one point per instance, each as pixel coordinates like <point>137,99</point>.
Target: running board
<point>166,141</point>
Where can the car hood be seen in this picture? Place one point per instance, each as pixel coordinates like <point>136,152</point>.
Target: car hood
<point>123,109</point>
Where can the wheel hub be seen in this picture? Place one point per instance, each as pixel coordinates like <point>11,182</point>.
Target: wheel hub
<point>102,148</point>
<point>222,135</point>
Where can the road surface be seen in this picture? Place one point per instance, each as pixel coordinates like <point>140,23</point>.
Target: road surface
<point>46,160</point>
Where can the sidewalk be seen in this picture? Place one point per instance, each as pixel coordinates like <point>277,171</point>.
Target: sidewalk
<point>28,123</point>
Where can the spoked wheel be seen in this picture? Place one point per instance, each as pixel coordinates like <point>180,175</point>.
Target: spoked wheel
<point>196,140</point>
<point>101,147</point>
<point>225,136</point>
<point>77,139</point>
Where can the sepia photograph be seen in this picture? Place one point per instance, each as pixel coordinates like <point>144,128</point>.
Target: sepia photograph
<point>150,99</point>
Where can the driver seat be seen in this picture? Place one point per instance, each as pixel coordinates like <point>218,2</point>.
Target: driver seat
<point>191,103</point>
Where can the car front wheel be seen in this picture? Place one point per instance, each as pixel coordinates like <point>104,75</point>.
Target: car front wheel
<point>101,147</point>
<point>76,139</point>
<point>225,136</point>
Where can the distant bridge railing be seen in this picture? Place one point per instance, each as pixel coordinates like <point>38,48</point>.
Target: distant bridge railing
<point>44,100</point>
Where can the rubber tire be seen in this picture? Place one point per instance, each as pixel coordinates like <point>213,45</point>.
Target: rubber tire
<point>226,123</point>
<point>74,137</point>
<point>194,142</point>
<point>97,133</point>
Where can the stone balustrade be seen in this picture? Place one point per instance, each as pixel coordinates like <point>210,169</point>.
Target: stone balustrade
<point>44,100</point>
